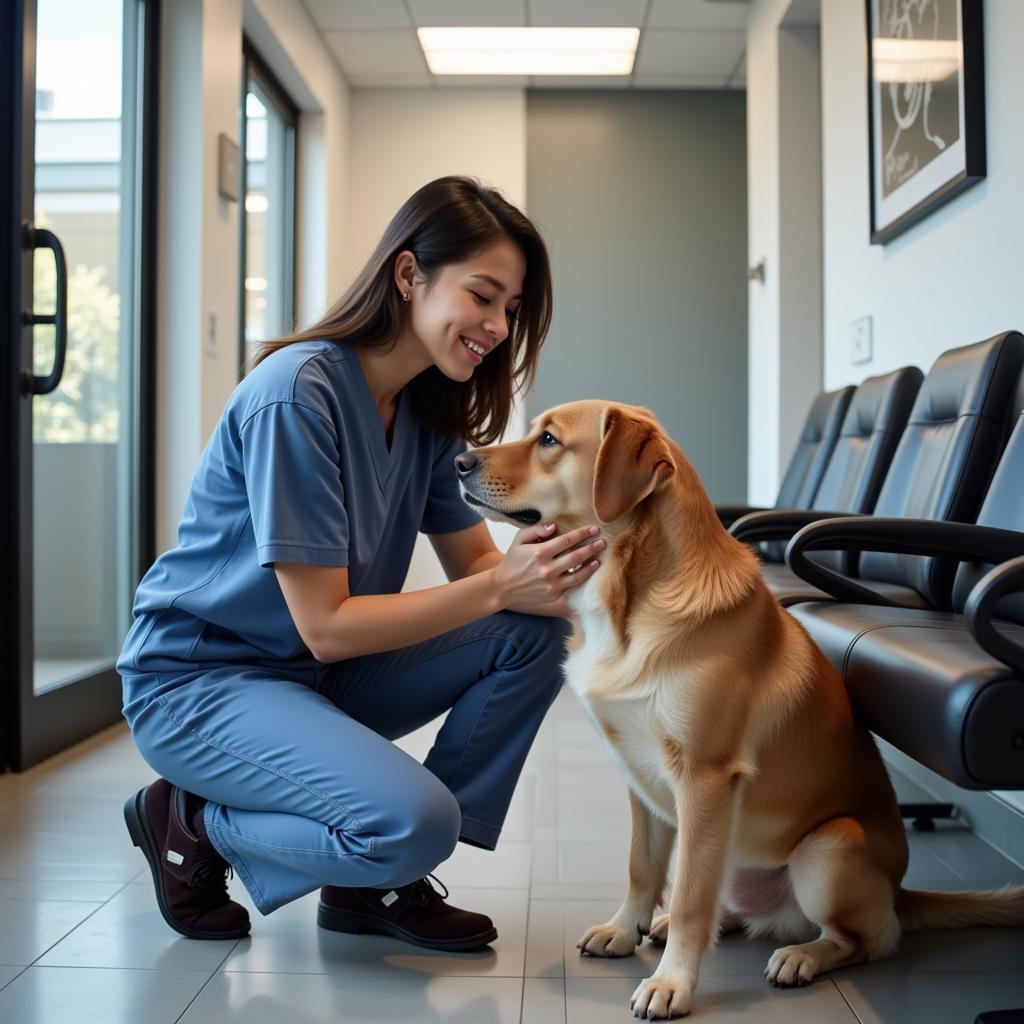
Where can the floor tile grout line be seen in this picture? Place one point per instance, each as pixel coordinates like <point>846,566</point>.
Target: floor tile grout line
<point>202,987</point>
<point>118,967</point>
<point>388,974</point>
<point>842,995</point>
<point>938,857</point>
<point>959,876</point>
<point>16,976</point>
<point>558,874</point>
<point>87,917</point>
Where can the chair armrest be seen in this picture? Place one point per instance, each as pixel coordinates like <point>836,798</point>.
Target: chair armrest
<point>964,542</point>
<point>777,523</point>
<point>728,514</point>
<point>1004,579</point>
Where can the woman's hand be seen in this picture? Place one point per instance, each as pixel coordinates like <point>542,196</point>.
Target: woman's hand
<point>539,567</point>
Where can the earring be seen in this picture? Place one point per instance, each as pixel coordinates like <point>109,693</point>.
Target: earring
<point>405,296</point>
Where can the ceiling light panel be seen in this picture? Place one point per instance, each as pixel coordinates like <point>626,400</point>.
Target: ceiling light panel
<point>529,51</point>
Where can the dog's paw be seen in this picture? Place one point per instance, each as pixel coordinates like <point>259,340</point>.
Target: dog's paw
<point>608,940</point>
<point>661,997</point>
<point>659,930</point>
<point>790,966</point>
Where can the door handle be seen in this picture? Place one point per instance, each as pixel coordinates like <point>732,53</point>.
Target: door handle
<point>41,238</point>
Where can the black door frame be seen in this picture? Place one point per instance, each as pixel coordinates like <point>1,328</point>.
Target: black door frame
<point>34,727</point>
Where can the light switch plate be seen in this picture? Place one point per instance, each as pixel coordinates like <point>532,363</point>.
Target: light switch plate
<point>860,340</point>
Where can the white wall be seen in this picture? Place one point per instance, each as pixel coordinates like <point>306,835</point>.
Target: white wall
<point>763,413</point>
<point>400,140</point>
<point>199,97</point>
<point>784,211</point>
<point>955,277</point>
<point>198,258</point>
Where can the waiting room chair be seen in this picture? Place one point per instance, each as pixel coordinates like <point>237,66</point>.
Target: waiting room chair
<point>940,470</point>
<point>945,687</point>
<point>868,437</point>
<point>807,465</point>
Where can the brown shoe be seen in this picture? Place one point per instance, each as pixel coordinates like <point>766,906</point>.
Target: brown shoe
<point>189,875</point>
<point>416,913</point>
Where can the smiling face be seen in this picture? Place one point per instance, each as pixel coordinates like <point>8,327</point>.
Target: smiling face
<point>582,462</point>
<point>462,315</point>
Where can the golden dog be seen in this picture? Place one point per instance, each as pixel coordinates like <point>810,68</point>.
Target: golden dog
<point>731,727</point>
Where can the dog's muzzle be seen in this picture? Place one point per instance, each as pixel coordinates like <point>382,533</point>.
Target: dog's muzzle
<point>466,465</point>
<point>526,516</point>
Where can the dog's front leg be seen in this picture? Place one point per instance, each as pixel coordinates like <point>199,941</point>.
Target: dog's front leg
<point>705,806</point>
<point>649,850</point>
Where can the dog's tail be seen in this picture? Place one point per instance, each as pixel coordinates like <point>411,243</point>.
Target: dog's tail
<point>919,910</point>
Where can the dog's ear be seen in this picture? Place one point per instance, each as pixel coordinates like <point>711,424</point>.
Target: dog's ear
<point>633,460</point>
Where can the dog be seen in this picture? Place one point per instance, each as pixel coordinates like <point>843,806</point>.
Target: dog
<point>731,727</point>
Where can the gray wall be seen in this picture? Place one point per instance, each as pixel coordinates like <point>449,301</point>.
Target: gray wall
<point>641,197</point>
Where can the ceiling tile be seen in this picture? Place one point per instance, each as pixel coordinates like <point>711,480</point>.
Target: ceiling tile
<point>356,14</point>
<point>468,12</point>
<point>481,81</point>
<point>607,13</point>
<point>580,82</point>
<point>377,53</point>
<point>421,81</point>
<point>697,14</point>
<point>689,53</point>
<point>679,81</point>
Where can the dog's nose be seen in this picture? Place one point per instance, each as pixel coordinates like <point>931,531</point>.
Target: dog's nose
<point>466,463</point>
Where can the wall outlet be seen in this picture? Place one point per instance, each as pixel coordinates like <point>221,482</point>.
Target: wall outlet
<point>860,340</point>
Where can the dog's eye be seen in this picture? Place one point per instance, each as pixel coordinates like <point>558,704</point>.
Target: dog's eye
<point>546,440</point>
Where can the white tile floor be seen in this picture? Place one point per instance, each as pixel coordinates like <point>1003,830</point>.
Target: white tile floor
<point>81,939</point>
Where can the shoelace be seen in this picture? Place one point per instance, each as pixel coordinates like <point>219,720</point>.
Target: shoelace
<point>423,890</point>
<point>208,871</point>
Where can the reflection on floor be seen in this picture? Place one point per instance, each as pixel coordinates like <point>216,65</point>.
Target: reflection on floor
<point>81,938</point>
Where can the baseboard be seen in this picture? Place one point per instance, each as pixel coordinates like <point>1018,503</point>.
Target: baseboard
<point>1000,824</point>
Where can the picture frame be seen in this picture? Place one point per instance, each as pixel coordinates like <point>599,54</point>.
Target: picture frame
<point>926,108</point>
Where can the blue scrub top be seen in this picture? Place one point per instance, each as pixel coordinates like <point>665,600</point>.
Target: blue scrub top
<point>297,470</point>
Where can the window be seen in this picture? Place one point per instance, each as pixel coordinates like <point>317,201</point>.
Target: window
<point>85,441</point>
<point>269,122</point>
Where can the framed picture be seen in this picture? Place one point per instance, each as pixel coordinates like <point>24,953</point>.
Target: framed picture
<point>926,108</point>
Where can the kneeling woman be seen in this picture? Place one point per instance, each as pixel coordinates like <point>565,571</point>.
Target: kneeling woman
<point>272,658</point>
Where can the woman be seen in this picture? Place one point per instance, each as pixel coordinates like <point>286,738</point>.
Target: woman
<point>272,658</point>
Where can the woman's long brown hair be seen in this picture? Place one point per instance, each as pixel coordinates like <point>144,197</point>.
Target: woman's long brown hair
<point>448,220</point>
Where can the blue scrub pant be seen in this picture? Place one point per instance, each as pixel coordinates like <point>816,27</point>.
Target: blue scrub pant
<point>304,787</point>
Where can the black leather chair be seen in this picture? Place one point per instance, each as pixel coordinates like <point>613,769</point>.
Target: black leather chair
<point>940,471</point>
<point>944,687</point>
<point>807,466</point>
<point>870,432</point>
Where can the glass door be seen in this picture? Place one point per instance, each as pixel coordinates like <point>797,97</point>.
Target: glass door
<point>81,134</point>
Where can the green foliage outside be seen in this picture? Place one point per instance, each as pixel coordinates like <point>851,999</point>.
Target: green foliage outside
<point>85,406</point>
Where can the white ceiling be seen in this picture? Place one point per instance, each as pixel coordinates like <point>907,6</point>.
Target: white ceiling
<point>684,44</point>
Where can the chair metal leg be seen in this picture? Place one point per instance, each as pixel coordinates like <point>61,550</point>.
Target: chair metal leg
<point>924,815</point>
